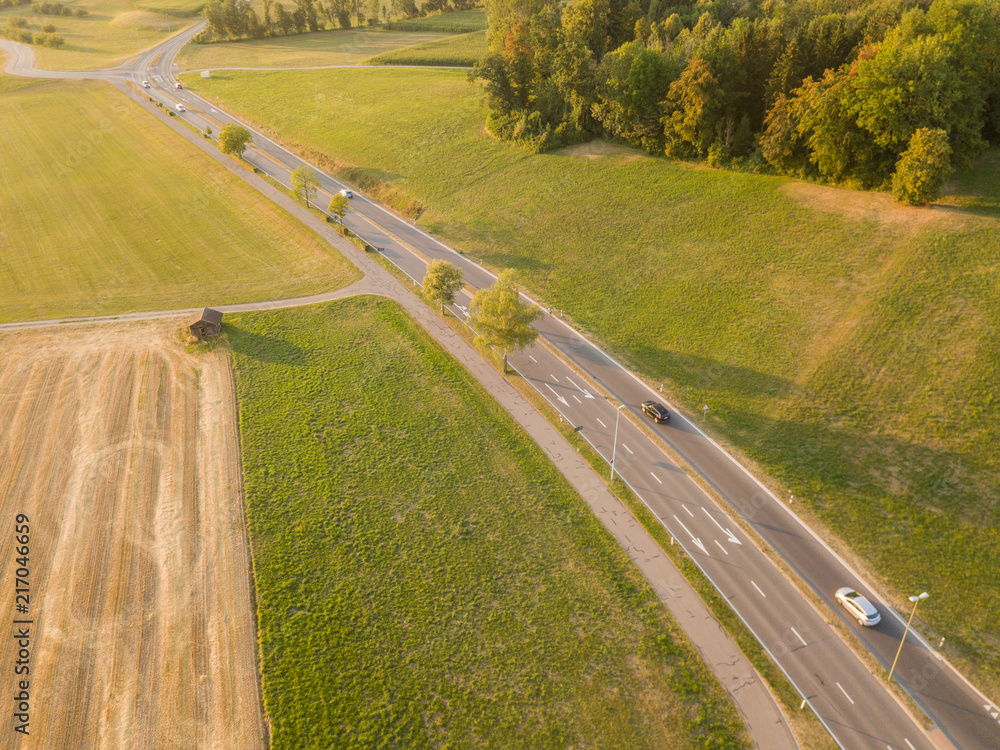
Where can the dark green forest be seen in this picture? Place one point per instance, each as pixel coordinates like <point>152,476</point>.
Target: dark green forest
<point>869,93</point>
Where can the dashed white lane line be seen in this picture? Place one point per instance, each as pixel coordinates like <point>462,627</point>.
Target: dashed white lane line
<point>720,546</point>
<point>852,699</point>
<point>655,477</point>
<point>904,740</point>
<point>602,423</point>
<point>577,400</point>
<point>553,377</point>
<point>533,359</point>
<point>758,589</point>
<point>803,640</point>
<point>627,448</point>
<point>687,511</point>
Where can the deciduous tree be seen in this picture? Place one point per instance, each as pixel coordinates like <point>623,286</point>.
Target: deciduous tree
<point>305,183</point>
<point>442,282</point>
<point>338,206</point>
<point>500,319</point>
<point>233,139</point>
<point>923,167</point>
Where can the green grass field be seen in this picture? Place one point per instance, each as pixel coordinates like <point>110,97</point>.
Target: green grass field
<point>339,47</point>
<point>459,22</point>
<point>172,7</point>
<point>845,345</point>
<point>462,50</point>
<point>107,211</point>
<point>113,31</point>
<point>425,577</point>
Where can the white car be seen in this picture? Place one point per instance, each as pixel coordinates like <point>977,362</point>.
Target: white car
<point>181,108</point>
<point>860,608</point>
<point>347,193</point>
<point>145,84</point>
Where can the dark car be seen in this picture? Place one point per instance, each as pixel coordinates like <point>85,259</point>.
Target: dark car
<point>656,411</point>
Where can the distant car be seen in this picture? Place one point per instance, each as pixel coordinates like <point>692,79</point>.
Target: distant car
<point>347,193</point>
<point>145,84</point>
<point>181,108</point>
<point>656,411</point>
<point>860,608</point>
<point>178,85</point>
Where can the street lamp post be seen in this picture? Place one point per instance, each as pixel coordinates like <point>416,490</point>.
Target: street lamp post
<point>915,600</point>
<point>614,448</point>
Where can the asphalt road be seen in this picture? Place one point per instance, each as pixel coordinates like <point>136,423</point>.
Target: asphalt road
<point>854,706</point>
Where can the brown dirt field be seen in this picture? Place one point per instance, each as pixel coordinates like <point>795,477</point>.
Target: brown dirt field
<point>122,449</point>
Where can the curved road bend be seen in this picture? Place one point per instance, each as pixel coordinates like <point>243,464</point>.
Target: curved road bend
<point>960,711</point>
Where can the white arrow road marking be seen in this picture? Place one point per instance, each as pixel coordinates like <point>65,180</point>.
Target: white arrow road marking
<point>801,639</point>
<point>627,448</point>
<point>584,391</point>
<point>602,423</point>
<point>694,539</point>
<point>727,532</point>
<point>758,589</point>
<point>852,699</point>
<point>655,477</point>
<point>557,395</point>
<point>720,546</point>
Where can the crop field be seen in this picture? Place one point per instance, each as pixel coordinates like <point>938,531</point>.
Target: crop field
<point>106,211</point>
<point>111,32</point>
<point>119,454</point>
<point>846,345</point>
<point>339,47</point>
<point>462,50</point>
<point>425,576</point>
<point>458,22</point>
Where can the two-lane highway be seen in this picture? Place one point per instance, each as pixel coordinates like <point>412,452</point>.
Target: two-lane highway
<point>855,707</point>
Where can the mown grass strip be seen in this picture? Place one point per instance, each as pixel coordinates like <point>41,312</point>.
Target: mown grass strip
<point>425,576</point>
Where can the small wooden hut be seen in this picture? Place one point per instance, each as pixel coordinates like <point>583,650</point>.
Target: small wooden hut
<point>206,323</point>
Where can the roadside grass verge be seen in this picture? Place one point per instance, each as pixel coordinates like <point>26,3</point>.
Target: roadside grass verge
<point>107,212</point>
<point>456,22</point>
<point>111,32</point>
<point>462,50</point>
<point>846,346</point>
<point>425,576</point>
<point>339,47</point>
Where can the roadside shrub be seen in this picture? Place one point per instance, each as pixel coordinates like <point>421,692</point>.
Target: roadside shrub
<point>17,22</point>
<point>55,41</point>
<point>49,28</point>
<point>81,12</point>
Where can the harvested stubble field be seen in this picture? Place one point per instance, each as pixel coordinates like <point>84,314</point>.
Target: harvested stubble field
<point>120,447</point>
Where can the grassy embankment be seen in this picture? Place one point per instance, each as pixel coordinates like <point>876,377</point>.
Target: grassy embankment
<point>105,211</point>
<point>464,50</point>
<point>111,32</point>
<point>339,47</point>
<point>425,576</point>
<point>846,346</point>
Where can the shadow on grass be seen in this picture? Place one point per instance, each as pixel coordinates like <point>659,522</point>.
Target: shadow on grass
<point>264,348</point>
